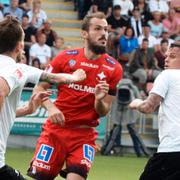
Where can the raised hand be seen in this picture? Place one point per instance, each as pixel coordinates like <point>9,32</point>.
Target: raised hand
<point>101,90</point>
<point>78,75</point>
<point>36,100</point>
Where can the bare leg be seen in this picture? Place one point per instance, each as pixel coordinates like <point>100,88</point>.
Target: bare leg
<point>74,176</point>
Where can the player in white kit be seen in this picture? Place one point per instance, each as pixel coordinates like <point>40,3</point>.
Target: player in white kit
<point>13,77</point>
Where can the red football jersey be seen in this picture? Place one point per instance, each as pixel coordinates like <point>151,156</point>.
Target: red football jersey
<point>76,100</point>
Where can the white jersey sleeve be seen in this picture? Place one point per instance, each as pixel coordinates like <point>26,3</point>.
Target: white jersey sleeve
<point>33,74</point>
<point>12,76</point>
<point>161,84</point>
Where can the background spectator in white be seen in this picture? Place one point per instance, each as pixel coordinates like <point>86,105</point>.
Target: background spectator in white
<point>136,22</point>
<point>152,41</point>
<point>57,47</point>
<point>51,35</point>
<point>156,25</point>
<point>172,23</point>
<point>126,6</point>
<point>14,10</point>
<point>159,5</point>
<point>40,50</point>
<point>37,16</point>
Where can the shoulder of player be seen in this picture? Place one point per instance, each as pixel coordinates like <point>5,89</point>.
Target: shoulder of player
<point>110,61</point>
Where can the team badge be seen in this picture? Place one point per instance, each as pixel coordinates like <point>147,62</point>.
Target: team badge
<point>88,152</point>
<point>45,153</point>
<point>101,76</point>
<point>110,61</point>
<point>72,62</point>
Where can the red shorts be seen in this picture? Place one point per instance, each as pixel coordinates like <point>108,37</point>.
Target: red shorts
<point>73,146</point>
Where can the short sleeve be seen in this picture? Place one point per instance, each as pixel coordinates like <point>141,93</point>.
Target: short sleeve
<point>12,76</point>
<point>161,84</point>
<point>33,74</point>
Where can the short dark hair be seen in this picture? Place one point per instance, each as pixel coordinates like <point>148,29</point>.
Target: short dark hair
<point>116,7</point>
<point>145,39</point>
<point>164,41</point>
<point>10,34</point>
<point>25,16</point>
<point>87,19</point>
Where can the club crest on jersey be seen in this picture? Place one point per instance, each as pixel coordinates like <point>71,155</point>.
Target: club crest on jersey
<point>18,73</point>
<point>72,52</point>
<point>72,62</point>
<point>44,153</point>
<point>111,61</point>
<point>88,152</point>
<point>101,76</point>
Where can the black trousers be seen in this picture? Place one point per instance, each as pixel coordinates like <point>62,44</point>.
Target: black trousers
<point>162,166</point>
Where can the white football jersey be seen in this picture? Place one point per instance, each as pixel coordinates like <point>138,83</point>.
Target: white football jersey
<point>16,76</point>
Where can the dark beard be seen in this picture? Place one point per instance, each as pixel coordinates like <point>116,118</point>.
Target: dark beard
<point>96,49</point>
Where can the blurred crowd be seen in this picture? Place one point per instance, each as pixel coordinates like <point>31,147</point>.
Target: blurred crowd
<point>140,32</point>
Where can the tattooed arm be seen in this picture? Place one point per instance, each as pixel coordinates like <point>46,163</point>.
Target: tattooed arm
<point>64,78</point>
<point>147,106</point>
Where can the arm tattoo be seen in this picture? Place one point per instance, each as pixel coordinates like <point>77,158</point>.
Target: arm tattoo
<point>150,104</point>
<point>48,77</point>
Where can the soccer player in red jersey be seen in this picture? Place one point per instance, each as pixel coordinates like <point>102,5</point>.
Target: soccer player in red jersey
<point>68,135</point>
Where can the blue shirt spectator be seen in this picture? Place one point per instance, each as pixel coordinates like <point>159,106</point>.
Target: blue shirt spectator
<point>14,10</point>
<point>128,42</point>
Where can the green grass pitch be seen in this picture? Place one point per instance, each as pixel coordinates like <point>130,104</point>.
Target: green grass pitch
<point>127,167</point>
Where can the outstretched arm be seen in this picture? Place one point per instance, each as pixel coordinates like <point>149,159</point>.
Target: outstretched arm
<point>34,102</point>
<point>147,106</point>
<point>64,78</point>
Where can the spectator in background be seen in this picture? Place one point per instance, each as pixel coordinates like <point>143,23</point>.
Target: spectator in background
<point>4,3</point>
<point>127,43</point>
<point>156,25</point>
<point>165,36</point>
<point>1,15</point>
<point>159,5</point>
<point>14,10</point>
<point>36,63</point>
<point>116,20</point>
<point>41,50</point>
<point>161,54</point>
<point>25,5</point>
<point>144,10</point>
<point>51,35</point>
<point>172,23</point>
<point>143,65</point>
<point>83,7</point>
<point>30,33</point>
<point>104,6</point>
<point>136,22</point>
<point>126,7</point>
<point>57,47</point>
<point>37,16</point>
<point>152,41</point>
<point>175,4</point>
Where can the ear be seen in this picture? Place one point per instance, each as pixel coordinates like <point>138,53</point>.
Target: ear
<point>84,34</point>
<point>19,46</point>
